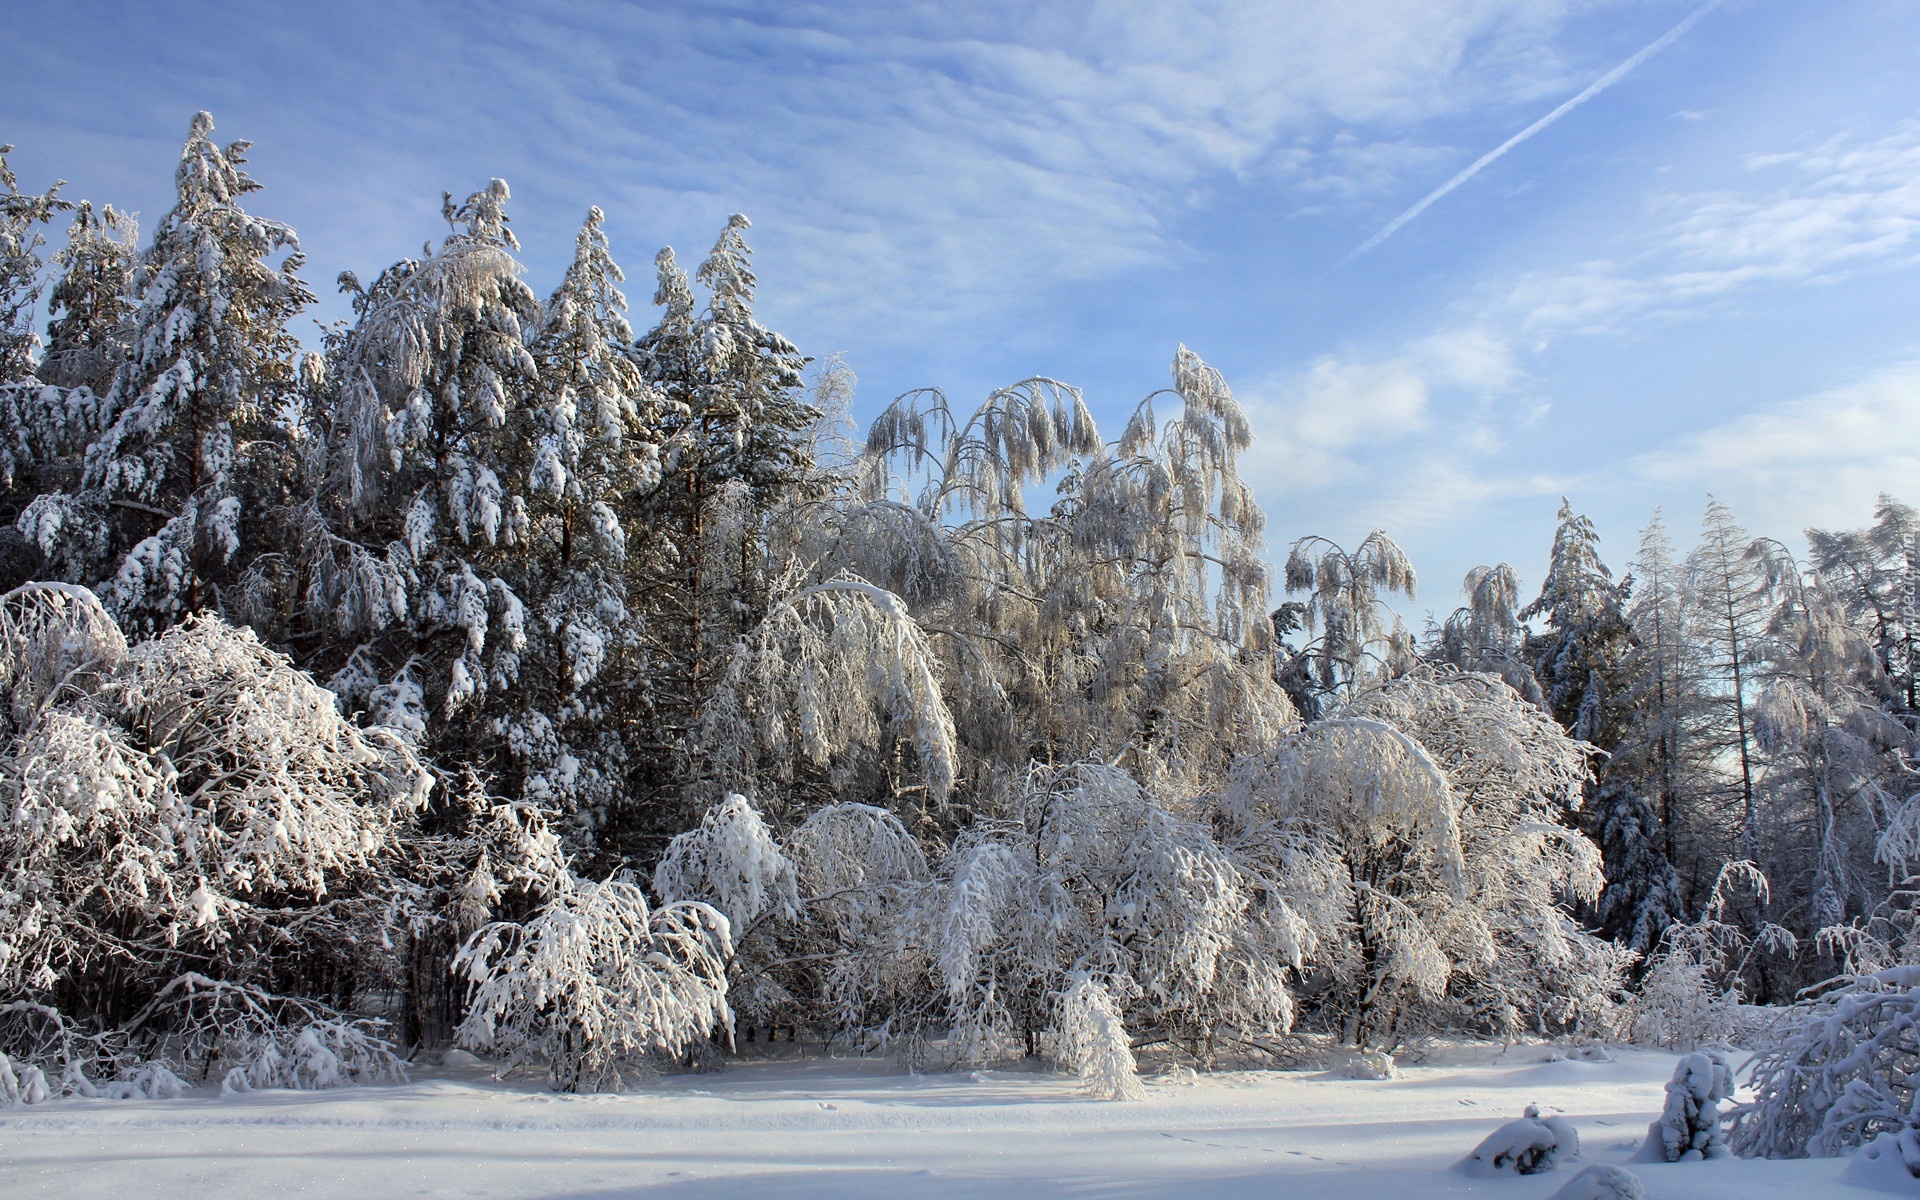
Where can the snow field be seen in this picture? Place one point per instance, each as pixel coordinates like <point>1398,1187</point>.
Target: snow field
<point>840,1128</point>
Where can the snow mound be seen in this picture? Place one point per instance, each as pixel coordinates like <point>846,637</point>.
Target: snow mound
<point>1602,1181</point>
<point>1378,1065</point>
<point>1528,1146</point>
<point>1888,1163</point>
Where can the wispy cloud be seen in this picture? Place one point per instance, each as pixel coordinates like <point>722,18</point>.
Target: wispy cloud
<point>1809,216</point>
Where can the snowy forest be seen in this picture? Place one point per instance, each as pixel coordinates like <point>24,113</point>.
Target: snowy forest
<point>576,686</point>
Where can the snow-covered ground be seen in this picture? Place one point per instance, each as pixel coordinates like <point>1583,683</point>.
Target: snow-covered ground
<point>835,1128</point>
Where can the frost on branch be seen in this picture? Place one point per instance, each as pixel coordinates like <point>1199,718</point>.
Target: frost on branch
<point>595,982</point>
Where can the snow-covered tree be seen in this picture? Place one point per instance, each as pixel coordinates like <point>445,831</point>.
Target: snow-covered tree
<point>92,301</point>
<point>198,460</point>
<point>1487,634</point>
<point>595,983</point>
<point>733,423</point>
<point>1586,661</point>
<point>1442,797</point>
<point>596,426</point>
<point>1875,572</point>
<point>190,805</point>
<point>1689,1126</point>
<point>1354,641</point>
<point>20,269</point>
<point>416,551</point>
<point>1841,1072</point>
<point>1127,622</point>
<point>1836,761</point>
<point>1726,613</point>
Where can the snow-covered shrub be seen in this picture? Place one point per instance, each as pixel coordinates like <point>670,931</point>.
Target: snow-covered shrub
<point>1527,1146</point>
<point>1602,1181</point>
<point>1098,879</point>
<point>250,1039</point>
<point>1842,1071</point>
<point>731,862</point>
<point>178,807</point>
<point>596,981</point>
<point>863,880</point>
<point>1690,993</point>
<point>1888,1163</point>
<point>1093,1041</point>
<point>1690,1125</point>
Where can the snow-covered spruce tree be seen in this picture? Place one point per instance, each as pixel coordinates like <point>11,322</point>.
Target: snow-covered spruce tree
<point>1442,797</point>
<point>1585,661</point>
<point>1689,1126</point>
<point>39,426</point>
<point>189,808</point>
<point>1353,644</point>
<point>48,423</point>
<point>1667,748</point>
<point>191,478</point>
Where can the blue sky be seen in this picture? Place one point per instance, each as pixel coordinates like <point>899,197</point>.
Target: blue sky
<point>1702,280</point>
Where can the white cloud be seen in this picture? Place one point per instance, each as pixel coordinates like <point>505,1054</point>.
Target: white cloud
<point>1817,461</point>
<point>1320,425</point>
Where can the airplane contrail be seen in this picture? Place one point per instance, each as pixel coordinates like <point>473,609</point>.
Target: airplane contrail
<point>1594,89</point>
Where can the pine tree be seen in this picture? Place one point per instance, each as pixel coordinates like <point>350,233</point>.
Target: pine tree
<point>596,426</point>
<point>733,426</point>
<point>417,552</point>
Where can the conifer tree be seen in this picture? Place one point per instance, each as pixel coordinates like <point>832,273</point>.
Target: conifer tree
<point>733,424</point>
<point>1726,615</point>
<point>92,301</point>
<point>20,269</point>
<point>1584,661</point>
<point>186,481</point>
